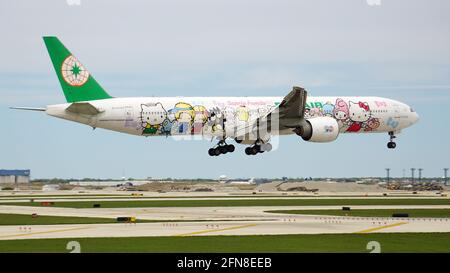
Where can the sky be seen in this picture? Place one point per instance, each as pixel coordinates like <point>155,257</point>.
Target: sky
<point>399,49</point>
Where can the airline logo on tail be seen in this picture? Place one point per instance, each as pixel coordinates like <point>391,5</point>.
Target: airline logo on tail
<point>74,72</point>
<point>76,82</point>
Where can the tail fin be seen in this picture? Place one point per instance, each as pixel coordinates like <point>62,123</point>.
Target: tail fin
<point>76,82</point>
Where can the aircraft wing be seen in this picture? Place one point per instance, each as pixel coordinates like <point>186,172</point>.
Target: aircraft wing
<point>288,115</point>
<point>291,110</point>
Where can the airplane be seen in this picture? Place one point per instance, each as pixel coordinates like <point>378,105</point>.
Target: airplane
<point>250,121</point>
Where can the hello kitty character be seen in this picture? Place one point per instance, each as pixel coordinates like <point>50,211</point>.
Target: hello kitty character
<point>152,116</point>
<point>358,114</point>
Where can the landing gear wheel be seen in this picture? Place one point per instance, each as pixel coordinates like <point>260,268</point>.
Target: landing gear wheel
<point>255,149</point>
<point>391,145</point>
<point>266,147</point>
<point>223,149</point>
<point>217,151</point>
<point>258,147</point>
<point>230,148</point>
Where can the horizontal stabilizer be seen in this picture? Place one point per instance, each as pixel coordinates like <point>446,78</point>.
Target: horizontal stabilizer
<point>28,108</point>
<point>83,108</point>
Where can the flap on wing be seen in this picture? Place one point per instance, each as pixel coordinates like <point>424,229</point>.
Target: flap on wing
<point>83,108</point>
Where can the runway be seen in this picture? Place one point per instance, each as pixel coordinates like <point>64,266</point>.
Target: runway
<point>193,213</point>
<point>205,221</point>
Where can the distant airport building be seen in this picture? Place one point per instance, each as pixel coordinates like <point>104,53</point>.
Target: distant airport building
<point>51,187</point>
<point>223,178</point>
<point>13,176</point>
<point>112,183</point>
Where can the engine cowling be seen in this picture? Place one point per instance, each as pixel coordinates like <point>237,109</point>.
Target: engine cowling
<point>320,129</point>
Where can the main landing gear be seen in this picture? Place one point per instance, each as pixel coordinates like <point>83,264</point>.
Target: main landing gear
<point>221,148</point>
<point>258,147</point>
<point>391,144</point>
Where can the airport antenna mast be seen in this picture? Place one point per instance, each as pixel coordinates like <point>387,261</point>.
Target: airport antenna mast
<point>445,176</point>
<point>420,174</point>
<point>412,175</point>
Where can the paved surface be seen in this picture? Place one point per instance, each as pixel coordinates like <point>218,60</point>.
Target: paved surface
<point>239,221</point>
<point>294,225</point>
<point>187,197</point>
<point>191,213</point>
<point>259,191</point>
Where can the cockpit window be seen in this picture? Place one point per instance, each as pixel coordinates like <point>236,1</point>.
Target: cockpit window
<point>412,110</point>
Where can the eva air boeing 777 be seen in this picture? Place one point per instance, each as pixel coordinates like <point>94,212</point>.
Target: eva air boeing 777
<point>250,121</point>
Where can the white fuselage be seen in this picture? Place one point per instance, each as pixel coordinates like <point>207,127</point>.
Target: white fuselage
<point>212,116</point>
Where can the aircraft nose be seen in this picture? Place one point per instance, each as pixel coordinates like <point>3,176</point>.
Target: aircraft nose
<point>412,116</point>
<point>415,117</point>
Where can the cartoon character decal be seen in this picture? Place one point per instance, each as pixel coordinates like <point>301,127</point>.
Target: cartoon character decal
<point>230,121</point>
<point>166,127</point>
<point>216,120</point>
<point>200,118</point>
<point>351,116</point>
<point>372,124</point>
<point>152,116</point>
<point>340,113</point>
<point>307,115</point>
<point>184,117</point>
<point>327,109</point>
<point>359,113</point>
<point>242,113</point>
<point>313,112</point>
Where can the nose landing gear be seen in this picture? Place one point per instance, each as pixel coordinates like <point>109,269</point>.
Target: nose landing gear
<point>391,144</point>
<point>221,148</point>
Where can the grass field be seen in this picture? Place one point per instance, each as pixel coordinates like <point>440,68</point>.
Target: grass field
<point>252,202</point>
<point>55,195</point>
<point>21,219</point>
<point>390,242</point>
<point>121,196</point>
<point>439,213</point>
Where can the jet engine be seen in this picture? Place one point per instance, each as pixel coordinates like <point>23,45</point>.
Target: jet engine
<point>319,129</point>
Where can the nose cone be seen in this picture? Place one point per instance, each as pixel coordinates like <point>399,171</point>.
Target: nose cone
<point>415,117</point>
